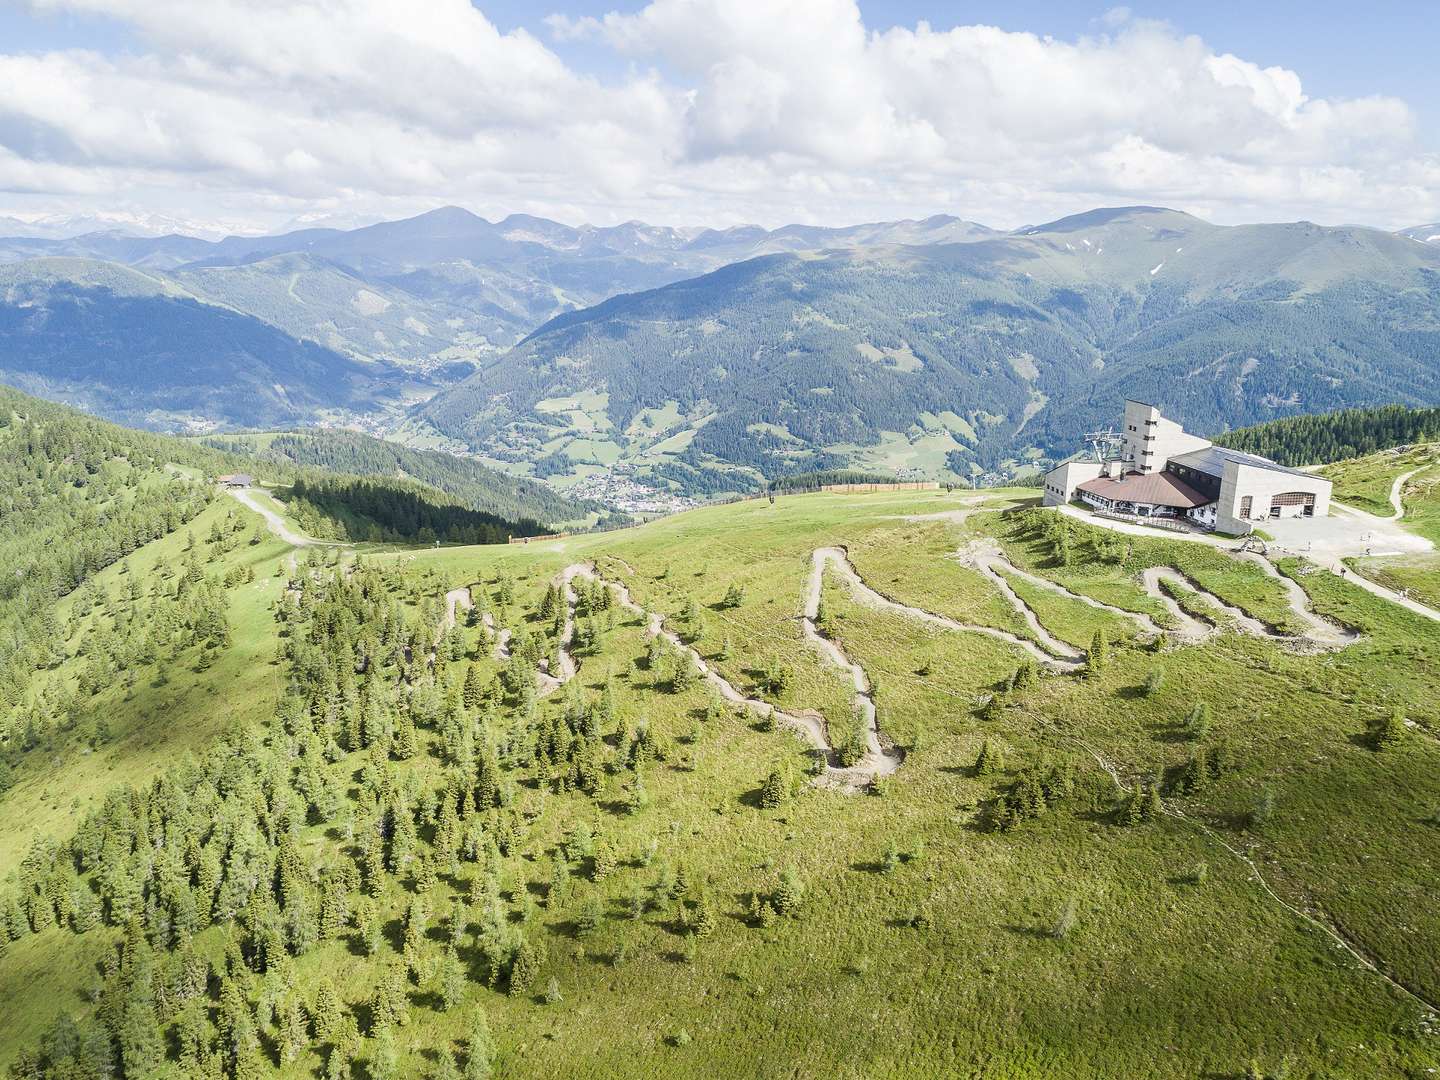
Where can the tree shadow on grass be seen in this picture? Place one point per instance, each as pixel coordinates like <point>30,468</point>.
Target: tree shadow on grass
<point>751,798</point>
<point>1170,733</point>
<point>393,931</point>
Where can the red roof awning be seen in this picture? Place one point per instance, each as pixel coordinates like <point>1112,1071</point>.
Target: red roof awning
<point>1150,489</point>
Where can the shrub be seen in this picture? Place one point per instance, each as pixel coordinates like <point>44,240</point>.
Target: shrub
<point>1391,732</point>
<point>1065,921</point>
<point>1263,811</point>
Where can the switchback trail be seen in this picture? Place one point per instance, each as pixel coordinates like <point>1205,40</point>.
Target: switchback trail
<point>1146,624</point>
<point>840,561</point>
<point>990,560</point>
<point>878,760</point>
<point>1332,562</point>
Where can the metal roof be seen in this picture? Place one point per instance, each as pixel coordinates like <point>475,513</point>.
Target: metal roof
<point>1152,489</point>
<point>1212,461</point>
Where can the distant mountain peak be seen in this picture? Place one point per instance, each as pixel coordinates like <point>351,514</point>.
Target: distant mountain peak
<point>1426,234</point>
<point>1107,215</point>
<point>457,214</point>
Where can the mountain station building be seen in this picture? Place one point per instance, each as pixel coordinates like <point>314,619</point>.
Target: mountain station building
<point>1164,472</point>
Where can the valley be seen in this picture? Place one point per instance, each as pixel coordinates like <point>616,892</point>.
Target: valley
<point>648,368</point>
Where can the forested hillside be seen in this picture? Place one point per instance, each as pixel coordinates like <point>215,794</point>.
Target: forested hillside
<point>131,348</point>
<point>78,496</point>
<point>964,356</point>
<point>482,812</point>
<point>395,510</point>
<point>183,334</point>
<point>1348,433</point>
<point>470,484</point>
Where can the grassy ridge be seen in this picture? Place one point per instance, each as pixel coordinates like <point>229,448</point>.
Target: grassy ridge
<point>925,943</point>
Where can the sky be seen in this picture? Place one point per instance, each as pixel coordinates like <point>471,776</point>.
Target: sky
<point>213,116</point>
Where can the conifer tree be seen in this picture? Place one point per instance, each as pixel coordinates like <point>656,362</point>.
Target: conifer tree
<point>384,1057</point>
<point>293,1036</point>
<point>326,1012</point>
<point>990,760</point>
<point>774,790</point>
<point>480,1052</point>
<point>789,893</point>
<point>413,944</point>
<point>344,1046</point>
<point>1263,810</point>
<point>473,693</point>
<point>1098,658</point>
<point>142,1049</point>
<point>388,1006</point>
<point>1025,676</point>
<point>1392,732</point>
<point>605,861</point>
<point>559,880</point>
<point>524,968</point>
<point>702,915</point>
<point>1197,723</point>
<point>452,979</point>
<point>1134,811</point>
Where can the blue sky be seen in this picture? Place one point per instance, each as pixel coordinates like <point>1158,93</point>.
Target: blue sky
<point>716,111</point>
<point>1341,48</point>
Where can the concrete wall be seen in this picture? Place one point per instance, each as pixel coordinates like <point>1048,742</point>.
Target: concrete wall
<point>1262,485</point>
<point>1151,440</point>
<point>1060,481</point>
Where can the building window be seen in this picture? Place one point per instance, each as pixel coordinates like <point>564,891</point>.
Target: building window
<point>1305,500</point>
<point>1246,505</point>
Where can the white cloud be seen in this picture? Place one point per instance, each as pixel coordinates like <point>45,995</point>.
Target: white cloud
<point>729,110</point>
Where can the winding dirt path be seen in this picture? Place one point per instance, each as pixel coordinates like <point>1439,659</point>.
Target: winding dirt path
<point>878,760</point>
<point>1321,630</point>
<point>276,523</point>
<point>1397,507</point>
<point>1146,624</point>
<point>1333,562</point>
<point>1188,628</point>
<point>1399,486</point>
<point>875,752</point>
<point>1321,633</point>
<point>838,559</point>
<point>988,559</point>
<point>457,600</point>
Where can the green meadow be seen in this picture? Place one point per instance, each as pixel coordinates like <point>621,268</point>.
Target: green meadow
<point>1043,914</point>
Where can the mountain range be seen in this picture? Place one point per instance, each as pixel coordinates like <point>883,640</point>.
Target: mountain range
<point>973,356</point>
<point>334,325</point>
<point>711,358</point>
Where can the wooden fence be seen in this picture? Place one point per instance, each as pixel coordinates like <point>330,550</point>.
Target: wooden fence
<point>899,485</point>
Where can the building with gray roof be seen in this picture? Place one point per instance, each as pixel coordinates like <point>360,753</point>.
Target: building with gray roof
<point>1156,469</point>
